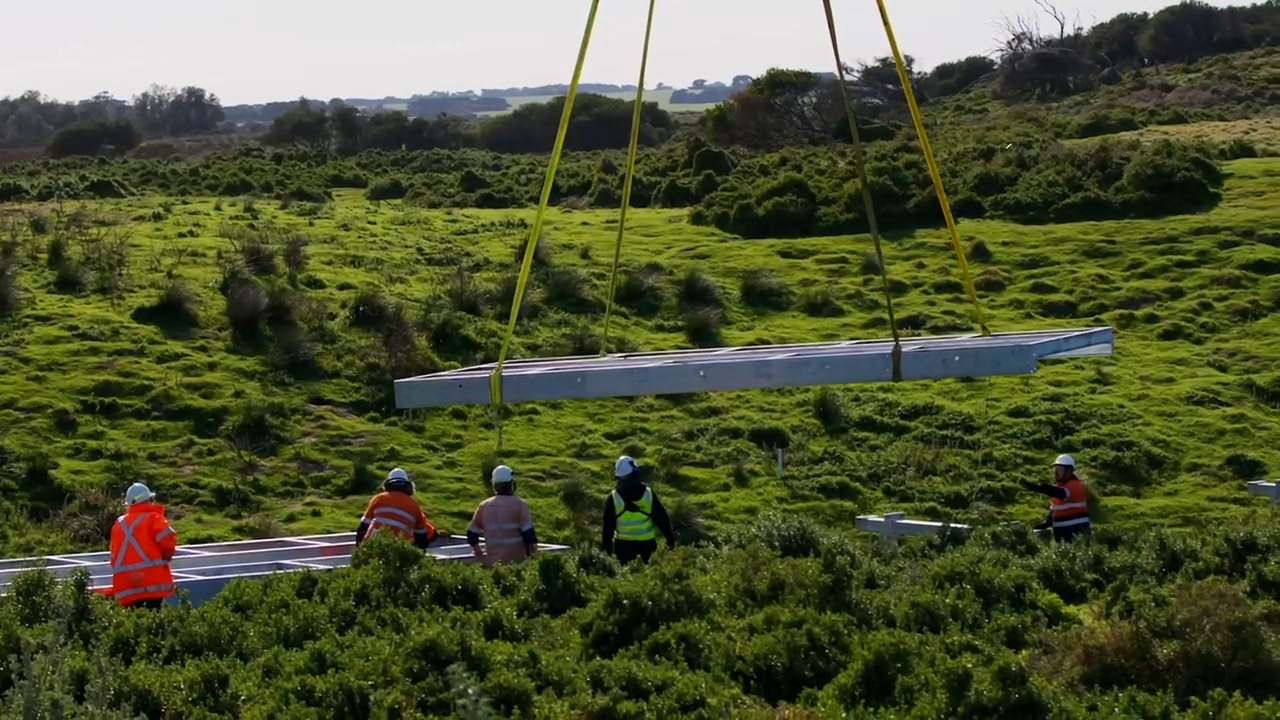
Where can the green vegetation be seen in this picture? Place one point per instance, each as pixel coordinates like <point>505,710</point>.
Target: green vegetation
<point>226,326</point>
<point>782,614</point>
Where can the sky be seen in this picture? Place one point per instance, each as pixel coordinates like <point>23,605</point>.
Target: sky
<point>255,51</point>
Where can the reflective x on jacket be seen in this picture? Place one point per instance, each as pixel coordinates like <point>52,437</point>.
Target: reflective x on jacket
<point>142,544</point>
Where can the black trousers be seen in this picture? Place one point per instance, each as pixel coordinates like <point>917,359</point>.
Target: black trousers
<point>628,550</point>
<point>1072,532</point>
<point>149,603</point>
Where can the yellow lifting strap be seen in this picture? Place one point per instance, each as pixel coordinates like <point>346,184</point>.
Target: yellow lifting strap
<point>907,90</point>
<point>626,183</point>
<point>495,378</point>
<point>860,156</point>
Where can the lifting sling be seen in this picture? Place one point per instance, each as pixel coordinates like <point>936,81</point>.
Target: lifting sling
<point>495,378</point>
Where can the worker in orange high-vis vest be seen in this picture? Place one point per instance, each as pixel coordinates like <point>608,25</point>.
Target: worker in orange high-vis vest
<point>1068,501</point>
<point>504,521</point>
<point>394,510</point>
<point>142,544</point>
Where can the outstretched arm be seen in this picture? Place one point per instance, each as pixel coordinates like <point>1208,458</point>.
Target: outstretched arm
<point>662,521</point>
<point>1053,491</point>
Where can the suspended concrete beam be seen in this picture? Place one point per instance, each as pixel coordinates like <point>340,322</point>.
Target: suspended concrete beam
<point>204,570</point>
<point>1266,489</point>
<point>892,526</point>
<point>753,368</point>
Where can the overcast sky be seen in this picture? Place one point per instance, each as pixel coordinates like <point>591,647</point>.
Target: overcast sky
<point>251,51</point>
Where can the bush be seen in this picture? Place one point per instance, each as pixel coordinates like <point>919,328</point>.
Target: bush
<point>703,327</point>
<point>642,290</point>
<point>370,309</point>
<point>765,290</point>
<point>246,307</point>
<point>175,308</point>
<point>387,189</point>
<point>697,292</point>
<point>9,295</point>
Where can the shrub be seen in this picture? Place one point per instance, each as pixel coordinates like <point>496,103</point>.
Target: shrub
<point>9,295</point>
<point>370,309</point>
<point>542,252</point>
<point>295,256</point>
<point>703,327</point>
<point>246,307</point>
<point>765,290</point>
<point>466,295</point>
<point>569,290</point>
<point>820,302</point>
<point>387,189</point>
<point>175,308</point>
<point>642,290</point>
<point>697,291</point>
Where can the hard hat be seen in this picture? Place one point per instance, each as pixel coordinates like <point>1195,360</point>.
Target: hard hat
<point>398,479</point>
<point>624,467</point>
<point>1065,460</point>
<point>137,493</point>
<point>502,474</point>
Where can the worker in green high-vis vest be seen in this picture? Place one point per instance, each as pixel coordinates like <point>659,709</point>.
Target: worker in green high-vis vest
<point>633,516</point>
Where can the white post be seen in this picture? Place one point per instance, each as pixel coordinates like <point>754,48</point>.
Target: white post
<point>782,454</point>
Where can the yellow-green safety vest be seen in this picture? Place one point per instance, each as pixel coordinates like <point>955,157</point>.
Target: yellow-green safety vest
<point>634,525</point>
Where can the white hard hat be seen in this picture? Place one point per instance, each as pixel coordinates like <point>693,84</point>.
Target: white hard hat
<point>624,467</point>
<point>137,493</point>
<point>1065,460</point>
<point>397,474</point>
<point>502,474</point>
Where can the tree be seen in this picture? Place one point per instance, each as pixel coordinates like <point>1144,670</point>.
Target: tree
<point>1181,33</point>
<point>95,137</point>
<point>598,122</point>
<point>348,129</point>
<point>781,107</point>
<point>1115,42</point>
<point>163,111</point>
<point>304,124</point>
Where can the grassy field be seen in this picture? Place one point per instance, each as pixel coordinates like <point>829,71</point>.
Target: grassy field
<point>100,392</point>
<point>1262,132</point>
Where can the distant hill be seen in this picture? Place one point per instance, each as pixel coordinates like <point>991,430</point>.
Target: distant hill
<point>491,101</point>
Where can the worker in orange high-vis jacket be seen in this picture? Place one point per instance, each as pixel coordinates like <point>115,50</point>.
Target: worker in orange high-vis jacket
<point>142,544</point>
<point>1068,501</point>
<point>505,522</point>
<point>394,510</point>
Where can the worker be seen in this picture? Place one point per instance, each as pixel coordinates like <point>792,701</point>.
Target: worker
<point>142,545</point>
<point>1068,501</point>
<point>505,522</point>
<point>395,510</point>
<point>633,515</point>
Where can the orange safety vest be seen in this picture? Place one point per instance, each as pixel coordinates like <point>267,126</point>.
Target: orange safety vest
<point>502,520</point>
<point>1074,510</point>
<point>142,544</point>
<point>399,514</point>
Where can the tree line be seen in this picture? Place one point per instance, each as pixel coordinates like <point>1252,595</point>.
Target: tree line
<point>33,120</point>
<point>782,107</point>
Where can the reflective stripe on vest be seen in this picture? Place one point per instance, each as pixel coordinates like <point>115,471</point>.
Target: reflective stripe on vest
<point>633,525</point>
<point>399,521</point>
<point>117,562</point>
<point>1074,510</point>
